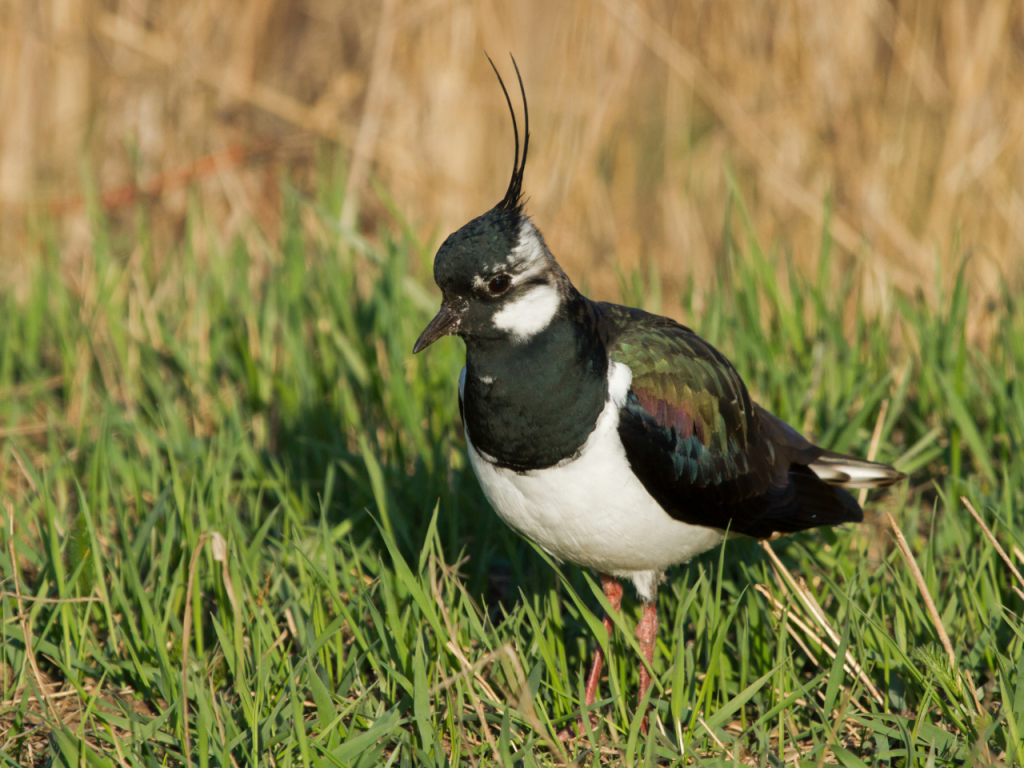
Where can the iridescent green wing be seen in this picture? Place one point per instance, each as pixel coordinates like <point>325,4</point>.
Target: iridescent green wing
<point>702,448</point>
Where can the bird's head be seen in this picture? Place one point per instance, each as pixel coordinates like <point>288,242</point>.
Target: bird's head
<point>497,277</point>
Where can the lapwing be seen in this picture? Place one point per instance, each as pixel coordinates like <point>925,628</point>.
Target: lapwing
<point>615,439</point>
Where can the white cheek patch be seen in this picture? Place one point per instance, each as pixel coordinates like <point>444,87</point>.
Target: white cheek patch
<point>530,314</point>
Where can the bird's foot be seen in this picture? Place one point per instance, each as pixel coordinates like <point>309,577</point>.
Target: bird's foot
<point>578,729</point>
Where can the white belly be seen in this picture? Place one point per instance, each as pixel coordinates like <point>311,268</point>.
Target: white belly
<point>593,511</point>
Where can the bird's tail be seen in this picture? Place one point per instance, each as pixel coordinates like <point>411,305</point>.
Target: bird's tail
<point>848,472</point>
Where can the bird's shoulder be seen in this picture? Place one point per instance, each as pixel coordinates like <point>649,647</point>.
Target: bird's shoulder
<point>678,378</point>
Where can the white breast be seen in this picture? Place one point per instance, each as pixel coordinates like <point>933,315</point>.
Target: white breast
<point>593,511</point>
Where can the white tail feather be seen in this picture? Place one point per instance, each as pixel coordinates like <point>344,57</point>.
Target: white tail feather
<point>848,472</point>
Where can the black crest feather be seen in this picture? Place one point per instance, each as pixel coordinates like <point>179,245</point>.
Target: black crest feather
<point>513,200</point>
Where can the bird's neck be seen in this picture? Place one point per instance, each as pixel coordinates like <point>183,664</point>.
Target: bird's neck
<point>532,404</point>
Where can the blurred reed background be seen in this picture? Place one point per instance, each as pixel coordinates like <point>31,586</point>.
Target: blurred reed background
<point>905,117</point>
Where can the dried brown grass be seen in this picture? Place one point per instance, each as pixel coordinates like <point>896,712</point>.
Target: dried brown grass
<point>907,113</point>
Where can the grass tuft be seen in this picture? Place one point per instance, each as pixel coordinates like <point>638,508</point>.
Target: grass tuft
<point>241,529</point>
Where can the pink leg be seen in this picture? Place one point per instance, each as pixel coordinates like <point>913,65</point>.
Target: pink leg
<point>646,635</point>
<point>613,591</point>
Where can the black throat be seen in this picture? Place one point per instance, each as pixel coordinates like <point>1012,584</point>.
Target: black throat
<point>533,404</point>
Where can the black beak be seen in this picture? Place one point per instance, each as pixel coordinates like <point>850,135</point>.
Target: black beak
<point>445,321</point>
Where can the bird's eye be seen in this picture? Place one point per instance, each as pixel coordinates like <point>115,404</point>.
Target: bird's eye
<point>499,284</point>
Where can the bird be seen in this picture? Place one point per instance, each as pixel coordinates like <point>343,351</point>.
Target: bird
<point>615,439</point>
